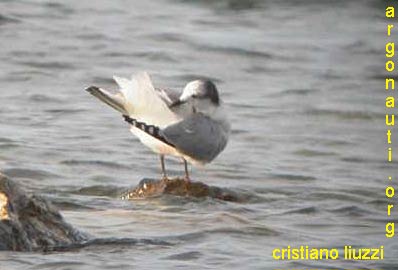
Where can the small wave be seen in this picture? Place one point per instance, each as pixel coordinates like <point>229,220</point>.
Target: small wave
<point>256,69</point>
<point>109,242</point>
<point>185,256</point>
<point>5,140</point>
<point>156,56</point>
<point>334,196</point>
<point>361,47</point>
<point>7,19</point>
<point>116,54</point>
<point>64,111</point>
<point>171,37</point>
<point>26,75</point>
<point>313,153</point>
<point>60,8</point>
<point>96,80</point>
<point>229,4</point>
<point>344,115</point>
<point>109,191</point>
<point>354,159</point>
<point>334,142</point>
<point>67,205</point>
<point>109,164</point>
<point>28,173</point>
<point>23,54</point>
<point>297,92</point>
<point>236,51</point>
<point>92,36</point>
<point>44,98</point>
<point>379,202</point>
<point>382,76</point>
<point>239,131</point>
<point>305,210</point>
<point>58,264</point>
<point>293,177</point>
<point>244,105</point>
<point>256,230</point>
<point>351,211</point>
<point>149,55</point>
<point>48,65</point>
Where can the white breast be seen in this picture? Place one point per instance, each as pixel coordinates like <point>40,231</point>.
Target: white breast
<point>160,147</point>
<point>154,144</point>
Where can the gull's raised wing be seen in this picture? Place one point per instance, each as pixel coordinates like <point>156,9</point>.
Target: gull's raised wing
<point>142,101</point>
<point>169,96</point>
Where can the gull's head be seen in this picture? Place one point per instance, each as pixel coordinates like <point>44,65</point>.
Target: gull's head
<point>199,92</point>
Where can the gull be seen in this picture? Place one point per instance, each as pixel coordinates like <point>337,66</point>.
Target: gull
<point>191,125</point>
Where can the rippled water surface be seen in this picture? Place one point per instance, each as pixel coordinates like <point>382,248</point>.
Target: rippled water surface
<point>302,81</point>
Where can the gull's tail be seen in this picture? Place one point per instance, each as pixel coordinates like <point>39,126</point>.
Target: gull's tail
<point>115,101</point>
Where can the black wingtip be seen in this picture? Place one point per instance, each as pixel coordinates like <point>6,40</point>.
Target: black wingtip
<point>128,119</point>
<point>92,89</point>
<point>151,130</point>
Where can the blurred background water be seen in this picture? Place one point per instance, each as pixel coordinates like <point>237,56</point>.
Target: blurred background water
<point>302,80</point>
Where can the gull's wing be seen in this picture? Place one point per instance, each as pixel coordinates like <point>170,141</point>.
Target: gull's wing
<point>168,95</point>
<point>197,136</point>
<point>142,101</point>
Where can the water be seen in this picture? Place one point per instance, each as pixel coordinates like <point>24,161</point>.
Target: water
<point>303,83</point>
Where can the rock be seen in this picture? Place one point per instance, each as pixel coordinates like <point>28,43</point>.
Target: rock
<point>152,188</point>
<point>30,222</point>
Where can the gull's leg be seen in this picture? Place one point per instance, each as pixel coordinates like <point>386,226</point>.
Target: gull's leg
<point>164,175</point>
<point>187,179</point>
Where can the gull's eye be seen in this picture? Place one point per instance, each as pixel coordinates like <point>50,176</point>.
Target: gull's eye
<point>194,95</point>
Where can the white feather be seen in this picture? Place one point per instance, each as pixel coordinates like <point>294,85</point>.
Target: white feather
<point>143,103</point>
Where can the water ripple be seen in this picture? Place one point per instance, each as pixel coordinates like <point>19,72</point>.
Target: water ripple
<point>110,242</point>
<point>344,115</point>
<point>7,19</point>
<point>29,173</point>
<point>101,163</point>
<point>185,256</point>
<point>50,65</point>
<point>109,191</point>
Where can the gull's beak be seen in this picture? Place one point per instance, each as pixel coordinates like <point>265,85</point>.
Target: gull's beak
<point>176,103</point>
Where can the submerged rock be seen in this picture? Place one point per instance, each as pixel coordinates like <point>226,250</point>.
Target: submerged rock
<point>30,222</point>
<point>152,188</point>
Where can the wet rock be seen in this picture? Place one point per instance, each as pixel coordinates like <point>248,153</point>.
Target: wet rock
<point>179,187</point>
<point>30,222</point>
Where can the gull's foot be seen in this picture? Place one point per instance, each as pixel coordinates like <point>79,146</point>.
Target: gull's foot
<point>164,179</point>
<point>187,180</point>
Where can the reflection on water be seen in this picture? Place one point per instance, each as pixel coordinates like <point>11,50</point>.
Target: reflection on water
<point>299,79</point>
